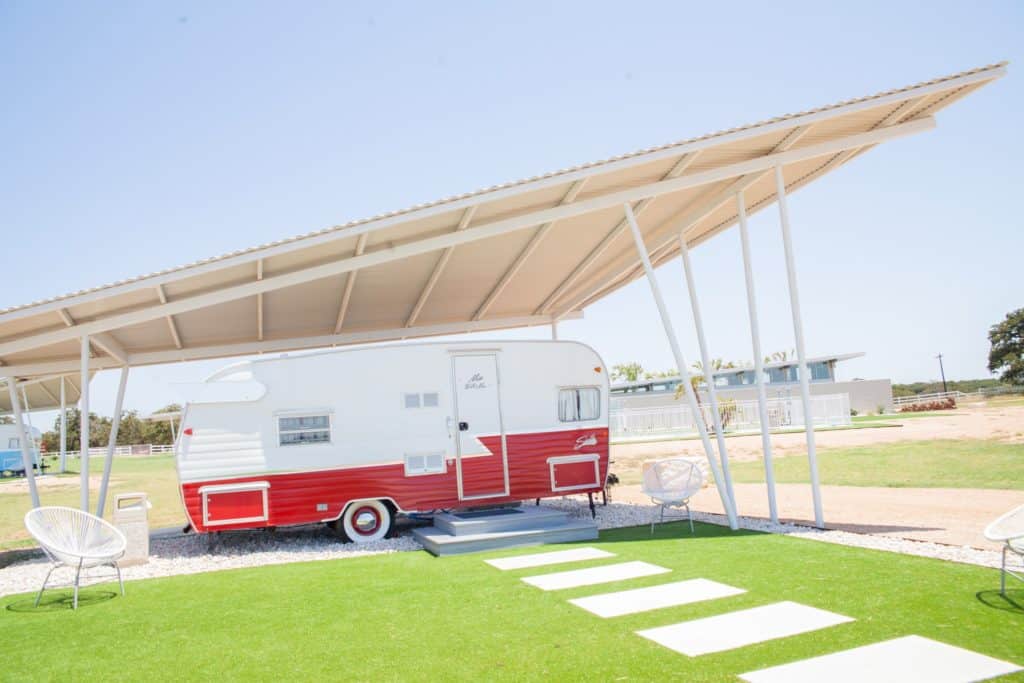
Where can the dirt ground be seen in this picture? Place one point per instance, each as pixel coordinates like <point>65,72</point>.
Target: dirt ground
<point>950,516</point>
<point>1003,423</point>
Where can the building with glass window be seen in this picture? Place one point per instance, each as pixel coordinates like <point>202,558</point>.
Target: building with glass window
<point>782,380</point>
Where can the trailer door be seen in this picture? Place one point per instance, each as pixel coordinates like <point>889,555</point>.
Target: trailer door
<point>481,462</point>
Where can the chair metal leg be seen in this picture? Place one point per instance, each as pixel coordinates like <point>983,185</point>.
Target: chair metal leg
<point>119,579</point>
<point>689,515</point>
<point>40,596</point>
<point>652,522</point>
<point>78,573</point>
<point>1002,572</point>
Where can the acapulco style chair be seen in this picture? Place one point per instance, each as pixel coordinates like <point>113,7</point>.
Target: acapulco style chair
<point>77,540</point>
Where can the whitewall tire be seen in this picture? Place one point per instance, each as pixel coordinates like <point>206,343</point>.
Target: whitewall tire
<point>366,521</point>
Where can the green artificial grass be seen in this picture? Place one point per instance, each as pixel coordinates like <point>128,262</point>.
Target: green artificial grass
<point>413,617</point>
<point>922,464</point>
<point>154,475</point>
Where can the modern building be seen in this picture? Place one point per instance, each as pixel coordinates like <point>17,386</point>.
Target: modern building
<point>782,380</point>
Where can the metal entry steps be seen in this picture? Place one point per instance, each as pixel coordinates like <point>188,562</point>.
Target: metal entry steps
<point>454,533</point>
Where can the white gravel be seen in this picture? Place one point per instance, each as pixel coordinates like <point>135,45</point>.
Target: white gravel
<point>624,515</point>
<point>194,554</point>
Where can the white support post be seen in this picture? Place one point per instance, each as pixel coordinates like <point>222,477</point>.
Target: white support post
<point>755,342</point>
<point>63,427</point>
<point>112,442</point>
<point>83,453</point>
<point>691,398</point>
<point>798,332</point>
<point>709,374</point>
<point>554,330</point>
<point>23,439</point>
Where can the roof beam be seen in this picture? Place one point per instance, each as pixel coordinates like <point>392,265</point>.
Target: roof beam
<point>439,267</point>
<point>689,216</point>
<point>49,393</point>
<point>531,246</point>
<point>110,346</point>
<point>639,207</point>
<point>259,303</point>
<point>350,283</point>
<point>171,326</point>
<point>192,352</point>
<point>66,317</point>
<point>387,254</point>
<point>975,76</point>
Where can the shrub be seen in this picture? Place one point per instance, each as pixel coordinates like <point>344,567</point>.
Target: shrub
<point>944,404</point>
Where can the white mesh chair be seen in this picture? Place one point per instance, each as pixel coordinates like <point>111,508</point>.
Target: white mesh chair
<point>1009,530</point>
<point>670,484</point>
<point>75,539</point>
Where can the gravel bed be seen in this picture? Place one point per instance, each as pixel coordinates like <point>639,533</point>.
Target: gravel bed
<point>193,554</point>
<point>624,515</point>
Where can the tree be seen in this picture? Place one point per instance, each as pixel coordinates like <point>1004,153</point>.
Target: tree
<point>1007,353</point>
<point>629,372</point>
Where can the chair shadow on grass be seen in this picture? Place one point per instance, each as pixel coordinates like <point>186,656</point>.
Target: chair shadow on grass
<point>1012,601</point>
<point>61,601</point>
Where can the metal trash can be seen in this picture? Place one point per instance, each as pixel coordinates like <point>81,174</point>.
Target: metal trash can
<point>131,516</point>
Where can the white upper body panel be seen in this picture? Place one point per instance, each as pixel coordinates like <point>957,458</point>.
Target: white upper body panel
<point>380,404</point>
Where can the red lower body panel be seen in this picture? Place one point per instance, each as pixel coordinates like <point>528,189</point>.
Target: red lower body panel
<point>294,497</point>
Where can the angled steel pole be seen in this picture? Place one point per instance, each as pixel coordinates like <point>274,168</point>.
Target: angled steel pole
<point>709,375</point>
<point>801,355</point>
<point>63,427</point>
<point>691,398</point>
<point>112,442</point>
<point>26,448</point>
<point>755,342</point>
<point>83,454</point>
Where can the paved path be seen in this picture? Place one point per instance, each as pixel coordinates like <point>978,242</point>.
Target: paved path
<point>950,516</point>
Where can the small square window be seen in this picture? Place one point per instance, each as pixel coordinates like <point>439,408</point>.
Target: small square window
<point>14,442</point>
<point>423,463</point>
<point>430,400</point>
<point>412,400</point>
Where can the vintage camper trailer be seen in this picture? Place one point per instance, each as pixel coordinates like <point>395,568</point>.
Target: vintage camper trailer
<point>353,437</point>
<point>11,458</point>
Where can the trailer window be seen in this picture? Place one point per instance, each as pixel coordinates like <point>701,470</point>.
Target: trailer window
<point>428,400</point>
<point>14,442</point>
<point>423,463</point>
<point>305,429</point>
<point>578,404</point>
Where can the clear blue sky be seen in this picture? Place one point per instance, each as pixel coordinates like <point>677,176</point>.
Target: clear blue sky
<point>138,136</point>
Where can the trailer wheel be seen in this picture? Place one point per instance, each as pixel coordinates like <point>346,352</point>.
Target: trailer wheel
<point>366,521</point>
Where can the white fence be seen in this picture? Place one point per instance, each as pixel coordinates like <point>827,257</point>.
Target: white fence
<point>830,410</point>
<point>141,449</point>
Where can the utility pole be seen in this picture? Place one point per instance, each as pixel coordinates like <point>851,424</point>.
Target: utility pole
<point>942,371</point>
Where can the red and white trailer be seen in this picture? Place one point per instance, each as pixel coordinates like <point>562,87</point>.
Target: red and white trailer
<point>353,437</point>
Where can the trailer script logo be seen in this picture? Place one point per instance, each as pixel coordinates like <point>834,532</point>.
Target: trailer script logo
<point>476,382</point>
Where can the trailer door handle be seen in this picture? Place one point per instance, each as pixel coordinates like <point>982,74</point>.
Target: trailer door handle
<point>463,426</point>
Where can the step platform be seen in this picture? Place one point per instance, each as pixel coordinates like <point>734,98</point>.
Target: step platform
<point>470,531</point>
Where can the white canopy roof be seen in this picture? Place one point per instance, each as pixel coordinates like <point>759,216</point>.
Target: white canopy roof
<point>525,253</point>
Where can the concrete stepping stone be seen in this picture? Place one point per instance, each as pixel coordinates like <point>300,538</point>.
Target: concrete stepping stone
<point>594,575</point>
<point>544,559</point>
<point>901,660</point>
<point>743,627</point>
<point>655,597</point>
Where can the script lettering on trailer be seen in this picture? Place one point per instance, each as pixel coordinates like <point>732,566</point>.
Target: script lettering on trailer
<point>476,382</point>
